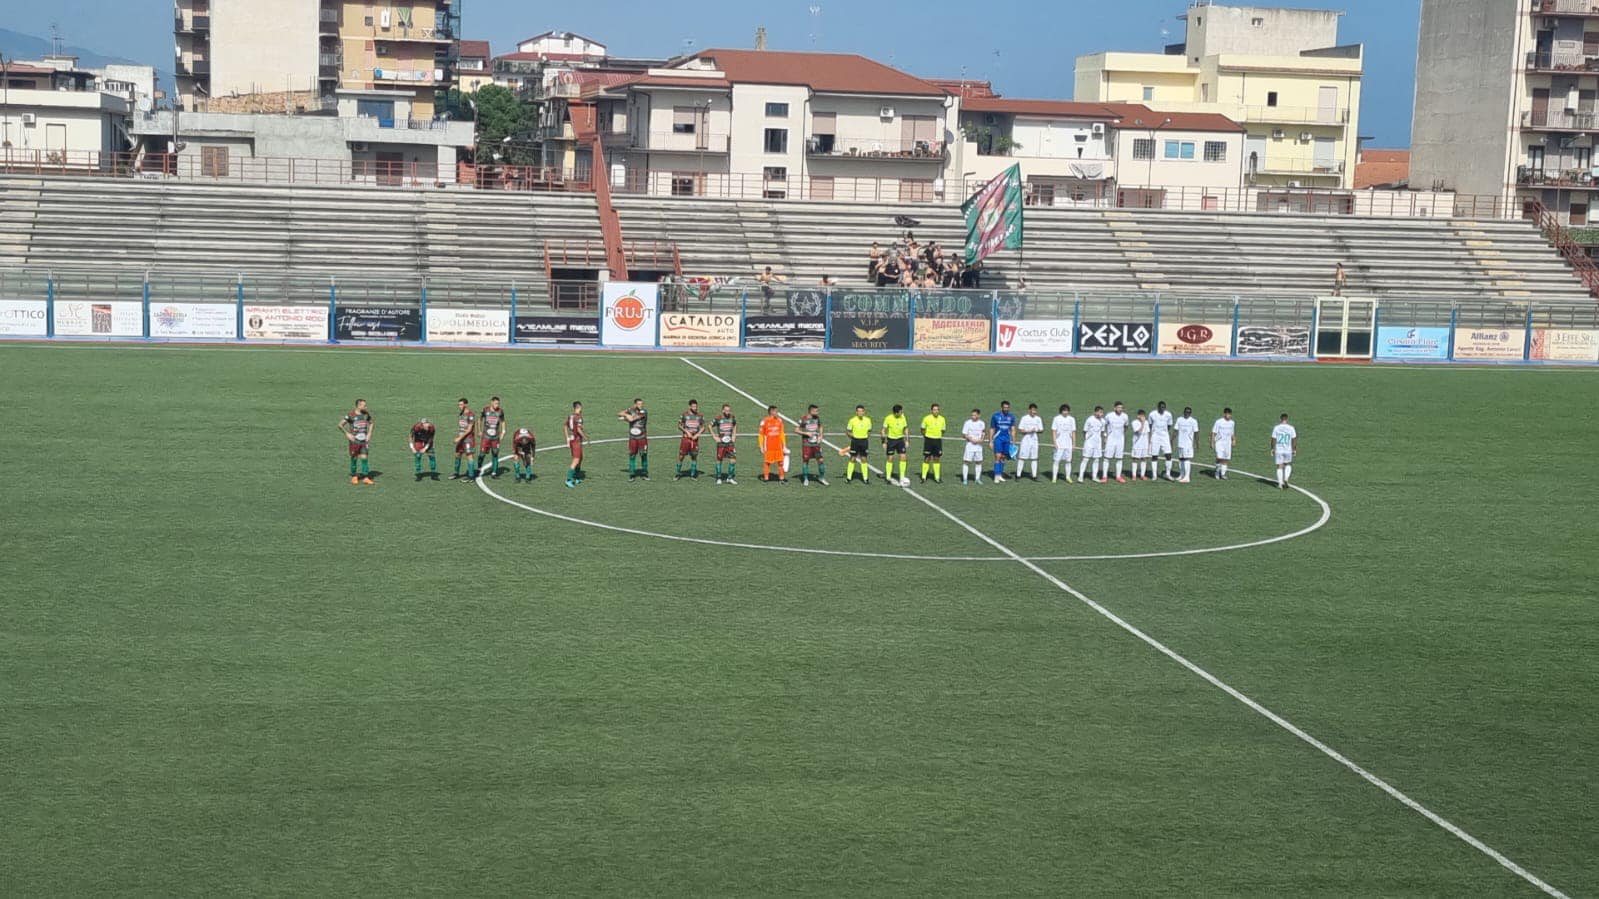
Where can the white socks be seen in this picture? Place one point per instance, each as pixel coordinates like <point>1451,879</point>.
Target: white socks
<point>1118,468</point>
<point>1032,464</point>
<point>1187,467</point>
<point>1288,472</point>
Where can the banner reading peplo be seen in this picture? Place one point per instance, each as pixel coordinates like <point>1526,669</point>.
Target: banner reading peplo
<point>627,316</point>
<point>194,321</point>
<point>699,329</point>
<point>385,324</point>
<point>24,318</point>
<point>1116,337</point>
<point>1565,345</point>
<point>1048,336</point>
<point>285,323</point>
<point>953,335</point>
<point>785,331</point>
<point>1195,339</point>
<point>1504,344</point>
<point>85,318</point>
<point>452,325</point>
<point>552,330</point>
<point>1412,343</point>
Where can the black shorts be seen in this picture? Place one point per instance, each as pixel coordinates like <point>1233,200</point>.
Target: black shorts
<point>860,446</point>
<point>932,446</point>
<point>896,446</point>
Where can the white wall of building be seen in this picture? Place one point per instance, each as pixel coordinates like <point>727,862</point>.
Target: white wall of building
<point>62,121</point>
<point>1188,167</point>
<point>259,47</point>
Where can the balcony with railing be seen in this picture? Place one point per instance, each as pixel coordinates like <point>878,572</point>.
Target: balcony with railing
<point>1294,115</point>
<point>1558,120</point>
<point>328,21</point>
<point>681,142</point>
<point>1312,168</point>
<point>403,76</point>
<point>328,65</point>
<point>1574,179</point>
<point>1564,61</point>
<point>1565,8</point>
<point>837,146</point>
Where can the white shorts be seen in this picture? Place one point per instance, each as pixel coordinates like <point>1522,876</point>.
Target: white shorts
<point>1115,449</point>
<point>1224,452</point>
<point>1029,447</point>
<point>1140,450</point>
<point>1063,452</point>
<point>974,452</point>
<point>1185,451</point>
<point>1285,456</point>
<point>1160,446</point>
<point>1093,448</point>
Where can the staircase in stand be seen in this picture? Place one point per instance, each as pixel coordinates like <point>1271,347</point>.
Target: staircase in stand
<point>1574,254</point>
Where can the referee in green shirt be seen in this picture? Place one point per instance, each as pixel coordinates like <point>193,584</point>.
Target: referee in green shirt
<point>933,426</point>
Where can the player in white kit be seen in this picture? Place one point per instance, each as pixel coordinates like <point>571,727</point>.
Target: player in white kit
<point>1029,427</point>
<point>1093,446</point>
<point>1284,447</point>
<point>975,431</point>
<point>1160,422</point>
<point>1186,427</point>
<point>1141,446</point>
<point>1221,440</point>
<point>1064,428</point>
<point>1116,439</point>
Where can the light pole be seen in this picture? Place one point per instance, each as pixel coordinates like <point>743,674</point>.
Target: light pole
<point>5,105</point>
<point>1149,177</point>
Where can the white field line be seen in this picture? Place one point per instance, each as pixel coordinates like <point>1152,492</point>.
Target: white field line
<point>1211,679</point>
<point>1326,515</point>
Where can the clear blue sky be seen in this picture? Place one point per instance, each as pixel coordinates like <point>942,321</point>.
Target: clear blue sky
<point>1026,47</point>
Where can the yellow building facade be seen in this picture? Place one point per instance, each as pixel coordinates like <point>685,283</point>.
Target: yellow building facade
<point>397,46</point>
<point>1299,102</point>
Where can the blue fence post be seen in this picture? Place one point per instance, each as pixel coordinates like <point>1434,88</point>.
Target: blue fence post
<point>333,309</point>
<point>422,315</point>
<point>827,324</point>
<point>910,320</point>
<point>513,313</point>
<point>1526,337</point>
<point>1232,348</point>
<point>1077,322</point>
<point>1376,328</point>
<point>49,304</point>
<point>145,324</point>
<point>993,322</point>
<point>238,309</point>
<point>1155,337</point>
<point>1315,323</point>
<point>1454,320</point>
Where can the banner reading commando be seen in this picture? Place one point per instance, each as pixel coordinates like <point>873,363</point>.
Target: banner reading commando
<point>994,216</point>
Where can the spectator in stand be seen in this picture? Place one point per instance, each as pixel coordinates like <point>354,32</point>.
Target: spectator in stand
<point>929,279</point>
<point>891,272</point>
<point>1339,280</point>
<point>952,274</point>
<point>768,281</point>
<point>874,258</point>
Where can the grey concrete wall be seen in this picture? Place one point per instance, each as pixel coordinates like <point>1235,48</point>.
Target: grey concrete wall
<point>1232,29</point>
<point>1467,85</point>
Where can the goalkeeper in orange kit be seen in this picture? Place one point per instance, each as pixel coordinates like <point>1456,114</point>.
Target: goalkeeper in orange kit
<point>773,445</point>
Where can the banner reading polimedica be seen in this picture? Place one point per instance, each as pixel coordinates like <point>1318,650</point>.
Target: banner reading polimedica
<point>994,216</point>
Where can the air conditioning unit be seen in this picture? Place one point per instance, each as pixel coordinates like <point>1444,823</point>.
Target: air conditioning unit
<point>383,19</point>
<point>1098,129</point>
<point>887,112</point>
<point>358,147</point>
<point>1305,137</point>
<point>29,118</point>
<point>1277,134</point>
<point>1295,184</point>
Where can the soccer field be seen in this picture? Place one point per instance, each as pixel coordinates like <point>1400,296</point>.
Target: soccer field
<point>225,669</point>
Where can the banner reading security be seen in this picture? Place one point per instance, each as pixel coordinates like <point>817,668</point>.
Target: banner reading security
<point>953,335</point>
<point>24,318</point>
<point>627,316</point>
<point>1047,336</point>
<point>1504,344</point>
<point>1195,339</point>
<point>1412,343</point>
<point>699,329</point>
<point>869,331</point>
<point>194,321</point>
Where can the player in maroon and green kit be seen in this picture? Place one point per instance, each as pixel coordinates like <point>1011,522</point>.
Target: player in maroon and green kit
<point>725,428</point>
<point>357,429</point>
<point>638,439</point>
<point>422,444</point>
<point>465,439</point>
<point>493,421</point>
<point>523,446</point>
<point>576,438</point>
<point>810,432</point>
<point>691,424</point>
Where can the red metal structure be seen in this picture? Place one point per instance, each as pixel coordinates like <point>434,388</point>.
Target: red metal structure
<point>1574,254</point>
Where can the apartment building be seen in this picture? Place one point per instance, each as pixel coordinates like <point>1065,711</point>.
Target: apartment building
<point>774,123</point>
<point>1507,103</point>
<point>306,50</point>
<point>1279,72</point>
<point>59,115</point>
<point>473,66</point>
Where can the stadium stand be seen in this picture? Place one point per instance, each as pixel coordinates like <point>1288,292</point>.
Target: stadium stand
<point>406,235</point>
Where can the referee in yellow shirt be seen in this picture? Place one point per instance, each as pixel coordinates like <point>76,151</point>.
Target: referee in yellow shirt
<point>933,426</point>
<point>860,443</point>
<point>894,428</point>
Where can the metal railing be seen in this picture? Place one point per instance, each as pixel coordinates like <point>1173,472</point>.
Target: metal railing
<point>874,148</point>
<point>1566,7</point>
<point>1575,255</point>
<point>681,142</point>
<point>1559,119</point>
<point>1294,115</point>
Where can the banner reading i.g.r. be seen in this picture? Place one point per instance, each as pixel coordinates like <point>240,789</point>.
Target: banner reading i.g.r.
<point>627,316</point>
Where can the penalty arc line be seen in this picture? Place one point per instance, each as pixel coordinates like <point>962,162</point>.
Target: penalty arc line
<point>1394,792</point>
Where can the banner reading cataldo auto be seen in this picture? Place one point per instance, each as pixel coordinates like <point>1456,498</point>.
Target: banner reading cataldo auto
<point>1195,339</point>
<point>1045,336</point>
<point>627,316</point>
<point>700,329</point>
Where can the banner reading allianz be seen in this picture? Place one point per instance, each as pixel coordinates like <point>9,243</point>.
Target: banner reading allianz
<point>1504,344</point>
<point>994,216</point>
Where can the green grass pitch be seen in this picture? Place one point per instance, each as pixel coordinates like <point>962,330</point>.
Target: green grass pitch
<point>224,669</point>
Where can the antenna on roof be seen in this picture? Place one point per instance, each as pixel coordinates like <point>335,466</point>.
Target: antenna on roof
<point>55,38</point>
<point>760,37</point>
<point>816,16</point>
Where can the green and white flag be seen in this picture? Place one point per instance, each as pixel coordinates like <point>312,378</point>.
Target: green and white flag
<point>994,216</point>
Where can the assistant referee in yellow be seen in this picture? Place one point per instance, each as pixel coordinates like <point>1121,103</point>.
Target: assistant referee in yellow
<point>860,443</point>
<point>933,426</point>
<point>894,427</point>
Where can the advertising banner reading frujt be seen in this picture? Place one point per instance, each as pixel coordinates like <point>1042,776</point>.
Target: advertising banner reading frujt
<point>627,313</point>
